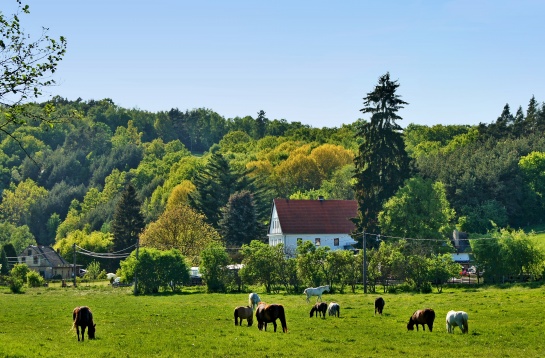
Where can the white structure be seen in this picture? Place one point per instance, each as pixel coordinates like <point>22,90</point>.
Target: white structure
<point>323,222</point>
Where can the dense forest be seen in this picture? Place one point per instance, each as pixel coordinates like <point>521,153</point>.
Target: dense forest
<point>60,183</point>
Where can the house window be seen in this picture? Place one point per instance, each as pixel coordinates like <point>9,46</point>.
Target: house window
<point>35,260</point>
<point>317,241</point>
<point>336,242</point>
<point>29,253</point>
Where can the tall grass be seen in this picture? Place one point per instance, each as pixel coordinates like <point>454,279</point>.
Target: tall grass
<point>503,322</point>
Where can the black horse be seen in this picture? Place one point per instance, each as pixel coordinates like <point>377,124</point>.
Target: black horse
<point>270,313</point>
<point>379,305</point>
<point>83,317</point>
<point>319,309</point>
<point>423,317</point>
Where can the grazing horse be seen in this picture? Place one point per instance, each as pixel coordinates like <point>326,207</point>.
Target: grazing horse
<point>379,305</point>
<point>83,318</point>
<point>334,309</point>
<point>253,300</point>
<point>246,313</point>
<point>315,291</point>
<point>319,309</point>
<point>423,317</point>
<point>457,318</point>
<point>270,313</point>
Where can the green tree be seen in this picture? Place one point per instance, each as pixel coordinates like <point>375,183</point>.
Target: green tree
<point>239,224</point>
<point>182,228</point>
<point>128,221</point>
<point>441,269</point>
<point>4,264</point>
<point>419,210</point>
<point>261,264</point>
<point>311,263</point>
<point>26,66</point>
<point>533,168</point>
<point>382,164</point>
<point>16,237</point>
<point>214,261</point>
<point>155,270</point>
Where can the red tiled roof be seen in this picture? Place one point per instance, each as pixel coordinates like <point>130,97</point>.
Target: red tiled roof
<point>316,216</point>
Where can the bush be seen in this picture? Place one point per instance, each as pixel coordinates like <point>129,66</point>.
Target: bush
<point>15,285</point>
<point>20,271</point>
<point>34,279</point>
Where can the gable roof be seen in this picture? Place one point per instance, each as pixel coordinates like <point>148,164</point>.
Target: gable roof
<point>316,216</point>
<point>48,253</point>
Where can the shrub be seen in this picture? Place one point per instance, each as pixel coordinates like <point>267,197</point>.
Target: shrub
<point>20,271</point>
<point>33,279</point>
<point>15,284</point>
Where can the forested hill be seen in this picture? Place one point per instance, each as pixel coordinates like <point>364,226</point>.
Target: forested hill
<point>60,184</point>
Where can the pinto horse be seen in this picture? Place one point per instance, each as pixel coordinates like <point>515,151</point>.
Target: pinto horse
<point>270,313</point>
<point>315,291</point>
<point>457,318</point>
<point>83,317</point>
<point>246,313</point>
<point>379,305</point>
<point>253,300</point>
<point>423,317</point>
<point>334,309</point>
<point>319,309</point>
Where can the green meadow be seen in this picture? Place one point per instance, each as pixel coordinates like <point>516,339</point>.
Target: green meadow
<point>503,322</point>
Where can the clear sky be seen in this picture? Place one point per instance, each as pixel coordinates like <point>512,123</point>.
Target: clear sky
<point>458,62</point>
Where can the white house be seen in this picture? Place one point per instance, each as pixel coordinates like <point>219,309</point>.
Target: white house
<point>323,222</point>
<point>46,261</point>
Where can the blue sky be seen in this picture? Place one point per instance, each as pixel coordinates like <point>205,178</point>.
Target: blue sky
<point>458,62</point>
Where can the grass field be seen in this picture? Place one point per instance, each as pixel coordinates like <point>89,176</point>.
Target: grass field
<point>503,322</point>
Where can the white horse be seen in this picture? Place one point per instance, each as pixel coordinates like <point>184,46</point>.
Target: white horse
<point>315,291</point>
<point>457,318</point>
<point>334,309</point>
<point>253,300</point>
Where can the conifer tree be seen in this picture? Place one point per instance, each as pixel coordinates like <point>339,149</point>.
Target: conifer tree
<point>239,224</point>
<point>382,164</point>
<point>128,221</point>
<point>4,270</point>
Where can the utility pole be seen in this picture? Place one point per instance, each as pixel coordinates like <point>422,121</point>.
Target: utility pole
<point>74,253</point>
<point>364,264</point>
<point>135,276</point>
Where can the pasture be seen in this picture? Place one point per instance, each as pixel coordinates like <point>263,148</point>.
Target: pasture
<point>506,322</point>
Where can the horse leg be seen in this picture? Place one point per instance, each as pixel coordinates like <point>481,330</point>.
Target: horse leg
<point>77,330</point>
<point>83,333</point>
<point>274,324</point>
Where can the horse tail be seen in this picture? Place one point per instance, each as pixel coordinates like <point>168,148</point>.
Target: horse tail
<point>236,317</point>
<point>465,324</point>
<point>282,317</point>
<point>75,315</point>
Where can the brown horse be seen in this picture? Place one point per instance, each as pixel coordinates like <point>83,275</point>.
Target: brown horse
<point>270,313</point>
<point>379,305</point>
<point>246,313</point>
<point>423,317</point>
<point>83,317</point>
<point>319,309</point>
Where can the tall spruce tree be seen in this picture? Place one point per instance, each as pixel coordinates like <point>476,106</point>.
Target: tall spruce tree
<point>239,224</point>
<point>382,164</point>
<point>214,184</point>
<point>128,221</point>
